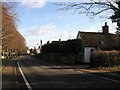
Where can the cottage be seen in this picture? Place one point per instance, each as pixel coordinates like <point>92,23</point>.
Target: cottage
<point>94,40</point>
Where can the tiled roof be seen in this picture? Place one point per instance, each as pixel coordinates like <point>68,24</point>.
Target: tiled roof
<point>96,39</point>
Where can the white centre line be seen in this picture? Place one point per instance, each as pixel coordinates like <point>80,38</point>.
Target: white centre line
<point>25,80</point>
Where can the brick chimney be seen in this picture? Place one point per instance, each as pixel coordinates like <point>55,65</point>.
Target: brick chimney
<point>105,29</point>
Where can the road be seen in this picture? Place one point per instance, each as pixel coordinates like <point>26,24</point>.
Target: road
<point>11,76</point>
<point>43,75</point>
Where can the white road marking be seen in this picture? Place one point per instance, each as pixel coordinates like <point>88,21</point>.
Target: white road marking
<point>16,76</point>
<point>110,79</point>
<point>25,80</point>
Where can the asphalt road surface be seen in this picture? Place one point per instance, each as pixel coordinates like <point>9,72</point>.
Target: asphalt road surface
<point>11,77</point>
<point>43,75</point>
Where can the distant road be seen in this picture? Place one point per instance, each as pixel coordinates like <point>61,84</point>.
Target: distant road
<point>43,75</point>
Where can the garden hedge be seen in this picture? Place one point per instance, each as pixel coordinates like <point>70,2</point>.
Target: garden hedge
<point>105,58</point>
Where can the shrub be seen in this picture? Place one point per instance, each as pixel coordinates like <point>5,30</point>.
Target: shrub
<point>105,58</point>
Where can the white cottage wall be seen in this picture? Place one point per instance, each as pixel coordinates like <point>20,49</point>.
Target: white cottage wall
<point>87,54</point>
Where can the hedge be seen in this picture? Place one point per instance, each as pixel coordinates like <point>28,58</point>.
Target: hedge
<point>57,57</point>
<point>67,47</point>
<point>105,58</point>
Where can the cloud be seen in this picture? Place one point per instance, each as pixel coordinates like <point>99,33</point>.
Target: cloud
<point>65,34</point>
<point>42,30</point>
<point>117,0</point>
<point>33,3</point>
<point>60,17</point>
<point>68,35</point>
<point>58,0</point>
<point>67,25</point>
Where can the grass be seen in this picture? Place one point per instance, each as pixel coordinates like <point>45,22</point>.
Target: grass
<point>5,61</point>
<point>112,69</point>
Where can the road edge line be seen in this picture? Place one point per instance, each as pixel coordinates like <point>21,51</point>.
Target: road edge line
<point>16,75</point>
<point>24,78</point>
<point>103,77</point>
<point>110,79</point>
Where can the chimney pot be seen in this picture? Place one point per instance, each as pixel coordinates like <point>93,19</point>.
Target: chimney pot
<point>105,29</point>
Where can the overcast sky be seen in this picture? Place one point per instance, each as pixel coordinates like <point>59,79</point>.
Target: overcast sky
<point>40,20</point>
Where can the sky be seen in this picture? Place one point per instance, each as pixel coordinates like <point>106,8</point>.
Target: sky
<point>41,20</point>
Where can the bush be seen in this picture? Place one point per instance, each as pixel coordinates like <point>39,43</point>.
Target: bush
<point>105,58</point>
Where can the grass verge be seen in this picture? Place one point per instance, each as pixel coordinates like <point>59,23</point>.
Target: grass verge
<point>5,61</point>
<point>112,69</point>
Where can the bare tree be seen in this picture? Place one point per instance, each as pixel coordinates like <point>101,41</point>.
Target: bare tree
<point>93,8</point>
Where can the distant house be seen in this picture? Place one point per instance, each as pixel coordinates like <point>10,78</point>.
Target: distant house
<point>28,51</point>
<point>94,40</point>
<point>38,50</point>
<point>56,41</point>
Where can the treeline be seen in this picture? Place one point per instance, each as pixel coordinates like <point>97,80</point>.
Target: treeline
<point>12,41</point>
<point>65,47</point>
